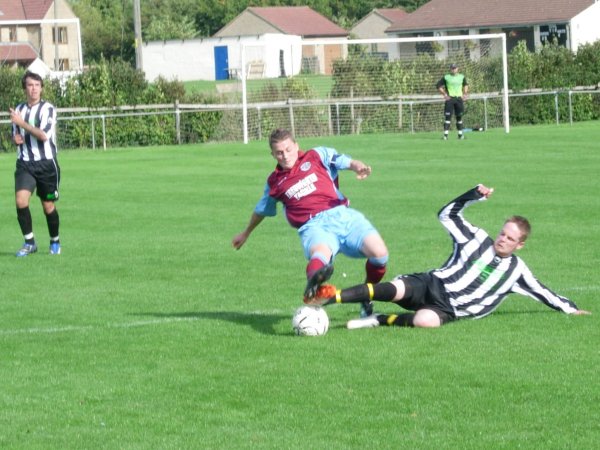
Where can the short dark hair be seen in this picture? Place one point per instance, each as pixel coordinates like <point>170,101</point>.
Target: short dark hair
<point>33,76</point>
<point>279,135</point>
<point>522,224</point>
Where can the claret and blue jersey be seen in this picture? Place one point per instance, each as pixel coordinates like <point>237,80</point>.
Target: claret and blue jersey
<point>308,188</point>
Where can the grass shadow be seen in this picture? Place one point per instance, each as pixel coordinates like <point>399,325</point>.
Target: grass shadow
<point>264,323</point>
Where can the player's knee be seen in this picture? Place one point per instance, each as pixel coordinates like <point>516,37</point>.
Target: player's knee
<point>426,318</point>
<point>379,260</point>
<point>380,253</point>
<point>374,249</point>
<point>323,256</point>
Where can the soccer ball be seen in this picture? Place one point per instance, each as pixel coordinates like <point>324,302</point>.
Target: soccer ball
<point>310,321</point>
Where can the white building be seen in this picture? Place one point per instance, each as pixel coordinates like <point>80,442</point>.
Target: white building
<point>267,55</point>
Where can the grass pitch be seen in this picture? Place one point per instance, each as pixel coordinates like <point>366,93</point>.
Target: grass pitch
<point>150,331</point>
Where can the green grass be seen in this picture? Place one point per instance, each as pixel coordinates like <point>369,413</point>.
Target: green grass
<point>150,331</point>
<point>320,84</point>
<point>202,86</point>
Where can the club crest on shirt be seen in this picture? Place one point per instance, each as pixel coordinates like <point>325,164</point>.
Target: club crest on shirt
<point>305,166</point>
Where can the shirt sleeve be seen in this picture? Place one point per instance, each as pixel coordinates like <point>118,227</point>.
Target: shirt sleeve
<point>332,159</point>
<point>48,121</point>
<point>451,216</point>
<point>267,205</point>
<point>528,285</point>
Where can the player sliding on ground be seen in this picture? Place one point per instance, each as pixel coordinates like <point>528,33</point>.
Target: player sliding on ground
<point>473,282</point>
<point>306,183</point>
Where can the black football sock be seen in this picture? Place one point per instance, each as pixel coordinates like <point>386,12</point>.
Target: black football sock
<point>383,292</point>
<point>25,222</point>
<point>53,222</point>
<point>398,320</point>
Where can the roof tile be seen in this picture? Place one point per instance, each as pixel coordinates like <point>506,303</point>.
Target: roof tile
<point>17,52</point>
<point>391,14</point>
<point>24,9</point>
<point>298,20</point>
<point>457,14</point>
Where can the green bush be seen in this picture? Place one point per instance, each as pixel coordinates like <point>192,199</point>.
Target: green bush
<point>587,64</point>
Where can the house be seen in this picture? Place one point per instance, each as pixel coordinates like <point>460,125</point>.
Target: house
<point>293,20</point>
<point>299,20</point>
<point>43,30</point>
<point>374,26</point>
<point>570,23</point>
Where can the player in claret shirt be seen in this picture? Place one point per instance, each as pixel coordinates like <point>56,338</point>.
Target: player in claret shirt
<point>306,183</point>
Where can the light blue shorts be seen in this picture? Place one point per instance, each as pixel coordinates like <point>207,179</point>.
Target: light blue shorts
<point>341,228</point>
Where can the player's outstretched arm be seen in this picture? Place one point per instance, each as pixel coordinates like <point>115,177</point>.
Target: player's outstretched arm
<point>582,312</point>
<point>239,239</point>
<point>360,168</point>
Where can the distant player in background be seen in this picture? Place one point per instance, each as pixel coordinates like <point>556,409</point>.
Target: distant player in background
<point>34,133</point>
<point>306,183</point>
<point>455,89</point>
<point>475,279</point>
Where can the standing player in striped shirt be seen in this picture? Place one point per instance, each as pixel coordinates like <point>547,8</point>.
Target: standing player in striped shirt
<point>306,183</point>
<point>473,282</point>
<point>34,133</point>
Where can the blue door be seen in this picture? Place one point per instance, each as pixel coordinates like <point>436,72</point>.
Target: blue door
<point>221,63</point>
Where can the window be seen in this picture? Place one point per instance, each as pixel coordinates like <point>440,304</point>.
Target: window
<point>63,64</point>
<point>8,34</point>
<point>59,35</point>
<point>554,34</point>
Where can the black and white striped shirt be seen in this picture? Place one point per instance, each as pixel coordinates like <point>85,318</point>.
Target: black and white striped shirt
<point>42,115</point>
<point>475,278</point>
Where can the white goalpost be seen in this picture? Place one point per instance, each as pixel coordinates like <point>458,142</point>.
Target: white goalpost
<point>334,87</point>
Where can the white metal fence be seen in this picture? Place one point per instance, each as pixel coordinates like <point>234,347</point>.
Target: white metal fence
<point>171,124</point>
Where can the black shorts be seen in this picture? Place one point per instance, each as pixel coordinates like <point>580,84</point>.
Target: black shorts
<point>454,105</point>
<point>426,292</point>
<point>41,176</point>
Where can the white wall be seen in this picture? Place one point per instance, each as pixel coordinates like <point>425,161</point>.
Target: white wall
<point>267,50</point>
<point>585,26</point>
<point>193,59</point>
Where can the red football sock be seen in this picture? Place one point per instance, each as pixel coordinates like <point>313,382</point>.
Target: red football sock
<point>374,273</point>
<point>313,265</point>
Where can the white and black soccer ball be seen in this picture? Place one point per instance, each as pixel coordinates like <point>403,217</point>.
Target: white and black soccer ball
<point>310,321</point>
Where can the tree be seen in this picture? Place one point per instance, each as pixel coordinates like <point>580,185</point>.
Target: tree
<point>165,28</point>
<point>106,29</point>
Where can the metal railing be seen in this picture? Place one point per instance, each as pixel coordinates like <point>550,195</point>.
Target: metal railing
<point>172,124</point>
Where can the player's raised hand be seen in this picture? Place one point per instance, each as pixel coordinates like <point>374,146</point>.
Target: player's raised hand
<point>485,191</point>
<point>360,168</point>
<point>15,117</point>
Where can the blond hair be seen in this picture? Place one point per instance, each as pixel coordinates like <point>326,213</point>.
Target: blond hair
<point>522,224</point>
